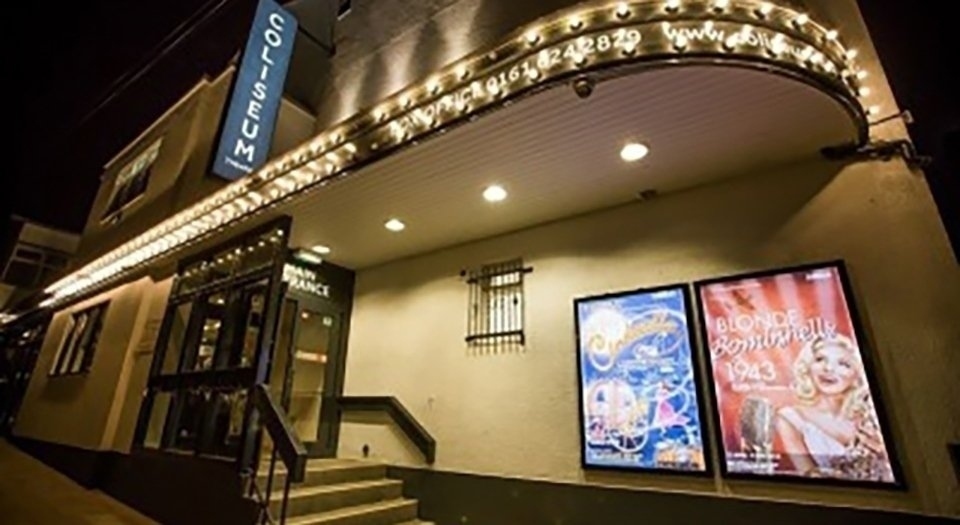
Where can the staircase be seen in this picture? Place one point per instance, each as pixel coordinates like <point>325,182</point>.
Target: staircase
<point>342,492</point>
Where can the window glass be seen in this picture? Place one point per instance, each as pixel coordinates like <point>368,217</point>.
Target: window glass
<point>133,180</point>
<point>223,265</point>
<point>177,338</point>
<point>213,311</point>
<point>158,416</point>
<point>228,409</point>
<point>77,349</point>
<point>260,252</point>
<point>193,277</point>
<point>254,308</point>
<point>28,254</point>
<point>67,341</point>
<point>21,273</point>
<point>187,415</point>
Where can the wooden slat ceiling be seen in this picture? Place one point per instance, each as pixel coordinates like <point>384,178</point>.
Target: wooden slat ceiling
<point>558,156</point>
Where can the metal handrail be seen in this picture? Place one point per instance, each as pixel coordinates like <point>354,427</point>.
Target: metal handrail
<point>286,446</point>
<point>400,415</point>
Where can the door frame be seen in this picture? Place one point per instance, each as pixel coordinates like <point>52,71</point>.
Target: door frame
<point>328,427</point>
<point>331,294</point>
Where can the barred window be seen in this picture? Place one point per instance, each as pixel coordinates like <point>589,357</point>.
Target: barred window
<point>496,304</point>
<point>80,341</point>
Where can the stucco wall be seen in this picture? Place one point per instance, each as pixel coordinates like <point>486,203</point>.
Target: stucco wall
<point>96,410</point>
<point>516,414</point>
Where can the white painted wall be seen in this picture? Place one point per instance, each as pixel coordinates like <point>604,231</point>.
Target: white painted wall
<point>97,410</point>
<point>516,414</point>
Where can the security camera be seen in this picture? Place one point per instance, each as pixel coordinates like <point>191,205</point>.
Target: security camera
<point>583,86</point>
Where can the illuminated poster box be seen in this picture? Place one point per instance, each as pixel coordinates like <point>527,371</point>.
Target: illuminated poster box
<point>792,388</point>
<point>639,402</point>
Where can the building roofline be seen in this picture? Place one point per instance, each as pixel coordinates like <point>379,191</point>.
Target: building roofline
<point>27,220</point>
<point>205,81</point>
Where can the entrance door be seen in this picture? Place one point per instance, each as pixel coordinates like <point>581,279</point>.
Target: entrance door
<point>305,375</point>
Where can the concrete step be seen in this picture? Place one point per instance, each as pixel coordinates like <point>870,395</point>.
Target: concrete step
<point>323,498</point>
<point>389,512</point>
<point>327,472</point>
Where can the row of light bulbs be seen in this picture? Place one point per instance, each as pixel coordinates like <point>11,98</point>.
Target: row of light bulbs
<point>330,153</point>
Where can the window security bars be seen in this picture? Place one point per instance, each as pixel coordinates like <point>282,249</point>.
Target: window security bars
<point>496,304</point>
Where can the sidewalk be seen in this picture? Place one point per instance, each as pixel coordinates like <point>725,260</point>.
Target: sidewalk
<point>32,493</point>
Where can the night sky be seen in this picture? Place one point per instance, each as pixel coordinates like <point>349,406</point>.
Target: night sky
<point>74,59</point>
<point>79,52</point>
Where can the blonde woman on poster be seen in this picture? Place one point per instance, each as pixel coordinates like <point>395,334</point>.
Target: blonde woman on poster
<point>831,429</point>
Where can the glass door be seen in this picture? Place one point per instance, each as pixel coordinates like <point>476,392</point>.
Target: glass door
<point>305,369</point>
<point>214,345</point>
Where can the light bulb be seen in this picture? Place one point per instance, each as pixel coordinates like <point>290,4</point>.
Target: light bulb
<point>395,225</point>
<point>634,151</point>
<point>494,193</point>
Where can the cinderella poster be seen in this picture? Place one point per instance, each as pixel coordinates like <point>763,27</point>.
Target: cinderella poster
<point>639,396</point>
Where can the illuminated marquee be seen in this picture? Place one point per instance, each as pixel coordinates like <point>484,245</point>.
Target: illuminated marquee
<point>600,39</point>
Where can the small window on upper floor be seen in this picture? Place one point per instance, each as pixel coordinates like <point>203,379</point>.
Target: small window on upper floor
<point>343,8</point>
<point>31,265</point>
<point>132,182</point>
<point>75,355</point>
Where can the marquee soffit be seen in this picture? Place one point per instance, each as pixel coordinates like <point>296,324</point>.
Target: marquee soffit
<point>600,38</point>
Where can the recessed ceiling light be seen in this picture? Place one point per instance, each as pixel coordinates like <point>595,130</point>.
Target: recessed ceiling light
<point>395,225</point>
<point>321,249</point>
<point>494,193</point>
<point>634,151</point>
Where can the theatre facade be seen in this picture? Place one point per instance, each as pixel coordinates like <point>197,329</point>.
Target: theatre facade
<point>570,262</point>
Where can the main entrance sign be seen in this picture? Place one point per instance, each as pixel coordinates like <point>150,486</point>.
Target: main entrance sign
<point>248,127</point>
<point>305,280</point>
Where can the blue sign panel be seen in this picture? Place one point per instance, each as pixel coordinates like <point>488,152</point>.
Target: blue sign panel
<point>639,398</point>
<point>252,114</point>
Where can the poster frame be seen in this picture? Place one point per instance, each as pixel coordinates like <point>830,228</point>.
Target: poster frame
<point>696,363</point>
<point>867,356</point>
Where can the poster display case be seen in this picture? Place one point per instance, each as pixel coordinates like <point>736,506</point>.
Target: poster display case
<point>638,383</point>
<point>791,379</point>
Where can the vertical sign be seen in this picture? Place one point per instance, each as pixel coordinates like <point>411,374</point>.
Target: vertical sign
<point>252,113</point>
<point>793,391</point>
<point>640,407</point>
